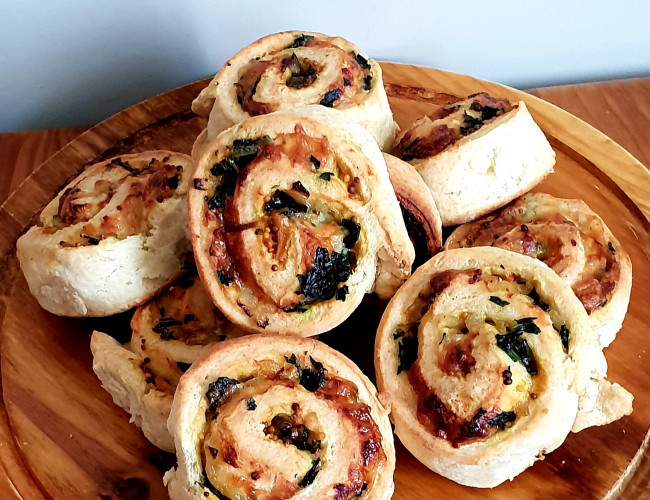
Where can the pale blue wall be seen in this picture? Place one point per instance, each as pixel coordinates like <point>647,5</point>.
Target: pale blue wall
<point>75,62</point>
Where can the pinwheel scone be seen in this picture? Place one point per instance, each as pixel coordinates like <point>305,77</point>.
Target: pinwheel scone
<point>112,238</point>
<point>293,220</point>
<point>293,69</point>
<point>169,333</point>
<point>279,417</point>
<point>573,241</point>
<point>476,155</point>
<point>489,361</point>
<point>419,209</point>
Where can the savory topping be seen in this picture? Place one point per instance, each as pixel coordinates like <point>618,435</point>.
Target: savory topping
<point>433,134</point>
<point>282,201</point>
<point>220,390</point>
<point>322,280</point>
<point>292,425</point>
<point>407,350</point>
<point>299,67</point>
<point>498,301</point>
<point>138,187</point>
<point>474,369</point>
<point>561,233</point>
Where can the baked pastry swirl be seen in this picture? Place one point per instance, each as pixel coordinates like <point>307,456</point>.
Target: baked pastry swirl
<point>573,241</point>
<point>293,220</point>
<point>419,209</point>
<point>169,333</point>
<point>489,361</point>
<point>279,417</point>
<point>296,68</point>
<point>476,155</point>
<point>112,238</point>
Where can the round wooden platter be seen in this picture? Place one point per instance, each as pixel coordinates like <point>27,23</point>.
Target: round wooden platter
<point>62,437</point>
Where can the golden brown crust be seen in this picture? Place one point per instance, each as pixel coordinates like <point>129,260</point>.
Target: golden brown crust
<point>573,241</point>
<point>169,333</point>
<point>231,406</point>
<point>296,68</point>
<point>290,237</point>
<point>487,168</point>
<point>110,218</point>
<point>460,402</point>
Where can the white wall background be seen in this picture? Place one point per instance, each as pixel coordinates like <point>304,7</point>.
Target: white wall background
<point>75,62</point>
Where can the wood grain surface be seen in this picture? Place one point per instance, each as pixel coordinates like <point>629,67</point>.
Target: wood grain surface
<point>61,436</point>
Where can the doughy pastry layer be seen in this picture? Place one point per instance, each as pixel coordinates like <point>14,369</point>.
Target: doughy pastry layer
<point>569,238</point>
<point>296,68</point>
<point>112,238</point>
<point>489,361</point>
<point>279,417</point>
<point>293,220</point>
<point>169,333</point>
<point>419,209</point>
<point>476,155</point>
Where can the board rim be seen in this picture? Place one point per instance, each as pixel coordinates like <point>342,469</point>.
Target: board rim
<point>577,136</point>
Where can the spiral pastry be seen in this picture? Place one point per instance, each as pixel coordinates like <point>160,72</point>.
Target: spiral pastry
<point>279,417</point>
<point>419,209</point>
<point>293,220</point>
<point>112,238</point>
<point>489,361</point>
<point>295,68</point>
<point>169,333</point>
<point>573,241</point>
<point>476,155</point>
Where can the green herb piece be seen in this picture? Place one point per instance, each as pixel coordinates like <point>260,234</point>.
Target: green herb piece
<point>301,41</point>
<point>224,278</point>
<point>363,62</point>
<point>353,229</point>
<point>502,420</point>
<point>282,200</point>
<point>367,82</point>
<point>163,326</point>
<point>251,405</point>
<point>407,352</point>
<point>321,281</point>
<point>326,176</point>
<point>309,379</point>
<point>220,390</point>
<point>330,98</point>
<point>311,474</point>
<point>564,335</point>
<point>538,301</point>
<point>498,301</point>
<point>341,293</point>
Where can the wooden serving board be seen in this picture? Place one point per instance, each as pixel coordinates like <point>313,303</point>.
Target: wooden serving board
<point>62,437</point>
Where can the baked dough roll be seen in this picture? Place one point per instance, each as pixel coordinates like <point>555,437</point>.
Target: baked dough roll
<point>573,241</point>
<point>296,68</point>
<point>169,333</point>
<point>489,361</point>
<point>293,220</point>
<point>476,155</point>
<point>112,238</point>
<point>279,417</point>
<point>419,209</point>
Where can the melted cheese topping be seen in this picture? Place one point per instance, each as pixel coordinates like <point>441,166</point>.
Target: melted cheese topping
<point>482,342</point>
<point>316,72</point>
<point>570,239</point>
<point>272,434</point>
<point>113,200</point>
<point>292,199</point>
